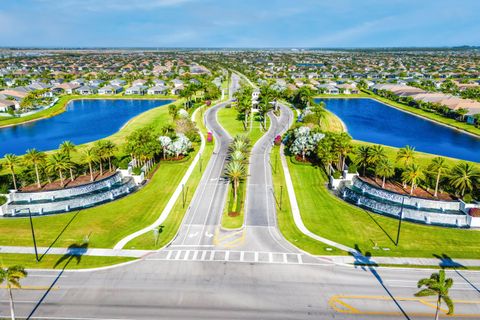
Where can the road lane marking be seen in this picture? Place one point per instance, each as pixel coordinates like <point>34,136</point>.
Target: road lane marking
<point>299,258</point>
<point>178,254</point>
<point>212,255</point>
<point>338,303</point>
<point>169,255</point>
<point>242,255</point>
<point>195,254</point>
<point>256,256</point>
<point>32,288</point>
<point>187,253</point>
<point>204,253</point>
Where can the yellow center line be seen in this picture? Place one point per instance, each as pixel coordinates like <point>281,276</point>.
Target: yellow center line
<point>32,288</point>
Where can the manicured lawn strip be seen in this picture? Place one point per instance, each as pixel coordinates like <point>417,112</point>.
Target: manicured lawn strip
<point>172,223</point>
<point>332,218</point>
<point>49,261</point>
<point>106,224</point>
<point>227,117</point>
<point>285,220</point>
<point>62,102</point>
<point>234,222</point>
<point>332,123</point>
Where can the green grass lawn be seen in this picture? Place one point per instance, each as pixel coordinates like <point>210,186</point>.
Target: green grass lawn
<point>170,226</point>
<point>332,218</point>
<point>49,261</point>
<point>286,224</point>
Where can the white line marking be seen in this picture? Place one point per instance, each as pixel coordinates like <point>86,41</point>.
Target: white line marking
<point>187,253</point>
<point>212,255</point>
<point>227,255</point>
<point>204,253</point>
<point>256,256</point>
<point>285,260</point>
<point>178,254</point>
<point>270,257</point>
<point>169,255</point>
<point>299,257</point>
<point>195,254</point>
<point>242,255</point>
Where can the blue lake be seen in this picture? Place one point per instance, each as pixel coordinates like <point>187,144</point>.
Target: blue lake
<point>371,121</point>
<point>83,121</point>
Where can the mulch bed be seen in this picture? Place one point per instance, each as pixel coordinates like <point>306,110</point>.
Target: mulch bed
<point>300,159</point>
<point>233,214</point>
<point>398,188</point>
<point>55,185</point>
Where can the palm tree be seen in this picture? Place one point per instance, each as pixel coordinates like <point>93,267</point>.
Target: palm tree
<point>11,162</point>
<point>362,157</point>
<point>439,166</point>
<point>12,276</point>
<point>406,154</point>
<point>343,147</point>
<point>109,148</point>
<point>235,171</point>
<point>99,149</point>
<point>464,177</point>
<point>238,156</point>
<point>59,162</point>
<point>385,169</point>
<point>437,285</point>
<point>90,157</point>
<point>67,147</point>
<point>35,158</point>
<point>376,153</point>
<point>412,174</point>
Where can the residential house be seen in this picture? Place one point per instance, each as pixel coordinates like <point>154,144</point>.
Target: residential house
<point>110,90</point>
<point>137,90</point>
<point>157,90</point>
<point>118,82</point>
<point>86,90</point>
<point>7,105</point>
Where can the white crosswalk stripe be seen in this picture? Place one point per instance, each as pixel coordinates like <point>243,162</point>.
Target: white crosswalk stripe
<point>230,256</point>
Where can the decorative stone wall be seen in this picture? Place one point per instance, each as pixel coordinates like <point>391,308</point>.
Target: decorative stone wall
<point>66,192</point>
<point>405,199</point>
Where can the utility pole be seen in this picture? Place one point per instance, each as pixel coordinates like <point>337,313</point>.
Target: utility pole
<point>400,223</point>
<point>33,234</point>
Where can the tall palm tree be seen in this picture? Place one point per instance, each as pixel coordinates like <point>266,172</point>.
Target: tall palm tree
<point>412,175</point>
<point>406,154</point>
<point>59,162</point>
<point>11,162</point>
<point>437,285</point>
<point>90,157</point>
<point>385,169</point>
<point>35,158</point>
<point>343,147</point>
<point>109,148</point>
<point>464,177</point>
<point>99,149</point>
<point>12,276</point>
<point>439,166</point>
<point>362,157</point>
<point>67,147</point>
<point>376,153</point>
<point>235,171</point>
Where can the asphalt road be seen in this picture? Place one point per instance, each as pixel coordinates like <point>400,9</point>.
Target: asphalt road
<point>260,277</point>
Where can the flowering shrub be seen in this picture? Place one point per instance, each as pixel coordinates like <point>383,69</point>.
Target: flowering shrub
<point>474,212</point>
<point>208,103</point>
<point>209,137</point>
<point>278,140</point>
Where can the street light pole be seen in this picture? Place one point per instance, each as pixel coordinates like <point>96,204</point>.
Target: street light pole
<point>400,223</point>
<point>33,234</point>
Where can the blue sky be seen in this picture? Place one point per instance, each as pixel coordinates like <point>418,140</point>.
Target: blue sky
<point>241,23</point>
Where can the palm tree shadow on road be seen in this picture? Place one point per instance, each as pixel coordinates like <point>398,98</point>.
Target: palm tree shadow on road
<point>365,262</point>
<point>447,262</point>
<point>74,252</point>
